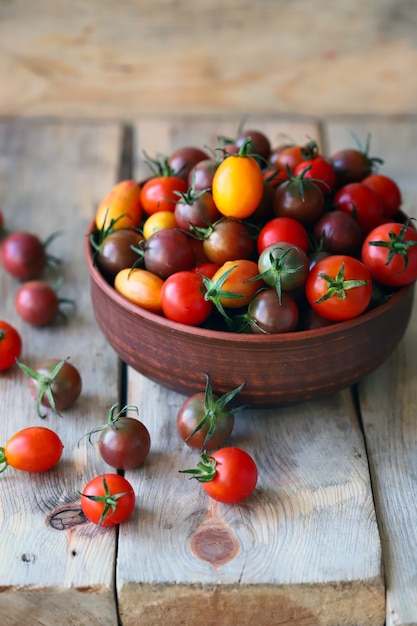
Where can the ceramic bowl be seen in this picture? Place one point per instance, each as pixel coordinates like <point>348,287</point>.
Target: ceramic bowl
<point>277,369</point>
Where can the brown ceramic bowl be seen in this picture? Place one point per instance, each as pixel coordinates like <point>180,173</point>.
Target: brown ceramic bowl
<point>277,369</point>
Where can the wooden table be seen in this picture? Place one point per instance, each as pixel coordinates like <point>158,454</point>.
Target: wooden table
<point>328,538</point>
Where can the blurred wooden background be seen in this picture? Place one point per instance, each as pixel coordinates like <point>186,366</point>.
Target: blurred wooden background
<point>121,59</point>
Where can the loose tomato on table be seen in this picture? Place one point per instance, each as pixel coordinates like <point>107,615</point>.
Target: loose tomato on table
<point>339,287</point>
<point>33,449</point>
<point>38,303</point>
<point>24,256</point>
<point>228,475</point>
<point>10,345</point>
<point>124,442</point>
<point>390,254</point>
<point>108,499</point>
<point>238,184</point>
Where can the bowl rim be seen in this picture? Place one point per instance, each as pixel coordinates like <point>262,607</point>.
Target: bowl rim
<point>231,337</point>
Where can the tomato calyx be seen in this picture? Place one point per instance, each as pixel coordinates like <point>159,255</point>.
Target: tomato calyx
<point>278,268</point>
<point>300,180</point>
<point>109,500</point>
<point>205,470</point>
<point>215,293</point>
<point>338,286</point>
<point>45,385</point>
<point>4,464</point>
<point>215,410</point>
<point>396,245</point>
<point>51,259</point>
<point>112,420</point>
<point>160,167</point>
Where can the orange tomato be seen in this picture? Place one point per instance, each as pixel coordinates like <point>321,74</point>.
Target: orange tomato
<point>141,287</point>
<point>122,205</point>
<point>158,221</point>
<point>239,280</point>
<point>238,185</point>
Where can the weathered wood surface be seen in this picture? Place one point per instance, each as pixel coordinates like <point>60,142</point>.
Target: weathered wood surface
<point>133,57</point>
<point>55,568</point>
<point>287,551</point>
<point>388,400</point>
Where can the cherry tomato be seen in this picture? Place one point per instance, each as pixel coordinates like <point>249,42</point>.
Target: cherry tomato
<point>228,239</point>
<point>121,207</point>
<point>338,232</point>
<point>38,303</point>
<point>168,251</point>
<point>390,254</point>
<point>261,146</point>
<point>53,383</point>
<point>362,203</point>
<point>108,499</point>
<point>141,287</point>
<point>234,283</point>
<point>205,420</point>
<point>33,449</point>
<point>387,191</point>
<point>228,475</point>
<point>183,159</point>
<point>352,165</point>
<point>283,229</point>
<point>201,175</point>
<point>159,221</point>
<point>124,442</point>
<point>24,255</point>
<point>238,184</point>
<point>283,266</point>
<point>10,345</point>
<point>115,252</point>
<point>269,314</point>
<point>196,209</point>
<point>299,198</point>
<point>339,287</point>
<point>287,157</point>
<point>182,298</point>
<point>320,170</point>
<point>159,193</point>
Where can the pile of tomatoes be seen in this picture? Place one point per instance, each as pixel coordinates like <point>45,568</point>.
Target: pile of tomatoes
<point>253,238</point>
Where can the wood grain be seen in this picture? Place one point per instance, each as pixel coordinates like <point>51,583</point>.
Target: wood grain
<point>285,552</point>
<point>55,566</point>
<point>175,57</point>
<point>389,402</point>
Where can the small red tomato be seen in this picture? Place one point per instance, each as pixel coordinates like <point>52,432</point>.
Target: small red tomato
<point>33,449</point>
<point>10,345</point>
<point>285,229</point>
<point>37,303</point>
<point>362,203</point>
<point>387,191</point>
<point>182,298</point>
<point>108,500</point>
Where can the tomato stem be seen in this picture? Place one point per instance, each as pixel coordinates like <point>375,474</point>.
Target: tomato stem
<point>3,461</point>
<point>205,470</point>
<point>396,245</point>
<point>338,286</point>
<point>109,500</point>
<point>45,385</point>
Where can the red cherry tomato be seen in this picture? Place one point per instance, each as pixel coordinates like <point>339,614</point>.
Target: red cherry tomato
<point>283,229</point>
<point>10,345</point>
<point>387,191</point>
<point>158,193</point>
<point>33,449</point>
<point>182,298</point>
<point>108,500</point>
<point>362,202</point>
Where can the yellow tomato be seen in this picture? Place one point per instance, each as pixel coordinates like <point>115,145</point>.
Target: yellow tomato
<point>158,221</point>
<point>122,205</point>
<point>141,287</point>
<point>238,186</point>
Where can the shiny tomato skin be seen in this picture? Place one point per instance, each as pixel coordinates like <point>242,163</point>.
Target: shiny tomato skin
<point>395,273</point>
<point>261,146</point>
<point>182,299</point>
<point>158,193</point>
<point>238,186</point>
<point>283,229</point>
<point>337,308</point>
<point>351,165</point>
<point>360,201</point>
<point>240,281</point>
<point>168,251</point>
<point>230,239</point>
<point>321,170</point>
<point>158,221</point>
<point>387,191</point>
<point>94,510</point>
<point>66,386</point>
<point>140,287</point>
<point>10,345</point>
<point>125,444</point>
<point>201,212</point>
<point>121,205</point>
<point>115,252</point>
<point>338,232</point>
<point>183,159</point>
<point>190,415</point>
<point>304,204</point>
<point>201,175</point>
<point>33,449</point>
<point>270,316</point>
<point>37,303</point>
<point>23,255</point>
<point>236,476</point>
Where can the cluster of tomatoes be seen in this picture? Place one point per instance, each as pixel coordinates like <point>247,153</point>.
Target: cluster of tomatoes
<point>257,239</point>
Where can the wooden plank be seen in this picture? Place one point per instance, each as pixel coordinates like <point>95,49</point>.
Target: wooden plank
<point>99,59</point>
<point>56,567</point>
<point>304,548</point>
<point>388,397</point>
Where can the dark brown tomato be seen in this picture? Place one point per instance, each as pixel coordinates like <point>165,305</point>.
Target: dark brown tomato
<point>338,232</point>
<point>261,146</point>
<point>168,251</point>
<point>352,165</point>
<point>65,386</point>
<point>192,415</point>
<point>304,203</point>
<point>201,212</point>
<point>184,159</point>
<point>124,444</point>
<point>115,252</point>
<point>201,175</point>
<point>268,315</point>
<point>23,255</point>
<point>229,239</point>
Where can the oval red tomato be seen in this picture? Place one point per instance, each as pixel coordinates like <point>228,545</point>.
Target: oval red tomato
<point>33,449</point>
<point>10,345</point>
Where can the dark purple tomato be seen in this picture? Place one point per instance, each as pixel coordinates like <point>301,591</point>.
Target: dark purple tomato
<point>23,255</point>
<point>37,303</point>
<point>201,175</point>
<point>124,444</point>
<point>266,314</point>
<point>227,240</point>
<point>299,198</point>
<point>352,165</point>
<point>182,160</point>
<point>200,211</point>
<point>168,251</point>
<point>115,252</point>
<point>338,232</point>
<point>261,145</point>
